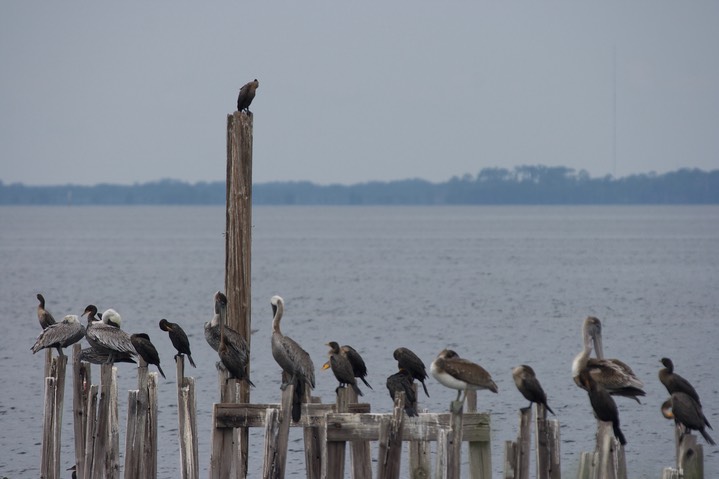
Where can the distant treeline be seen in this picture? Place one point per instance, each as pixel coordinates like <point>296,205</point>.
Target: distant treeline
<point>521,185</point>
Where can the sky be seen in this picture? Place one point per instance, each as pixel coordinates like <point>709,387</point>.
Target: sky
<point>131,92</point>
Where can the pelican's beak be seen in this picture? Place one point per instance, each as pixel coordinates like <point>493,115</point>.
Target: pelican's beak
<point>598,349</point>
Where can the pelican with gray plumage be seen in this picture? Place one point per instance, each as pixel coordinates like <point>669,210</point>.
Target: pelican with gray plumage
<point>612,374</point>
<point>60,335</point>
<point>461,374</point>
<point>107,337</point>
<point>232,348</point>
<point>294,361</point>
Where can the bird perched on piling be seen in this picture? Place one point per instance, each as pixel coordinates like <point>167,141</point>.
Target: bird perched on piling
<point>460,374</point>
<point>410,362</point>
<point>232,349</point>
<point>605,409</point>
<point>60,335</point>
<point>178,338</point>
<point>246,95</point>
<point>106,336</point>
<point>676,383</point>
<point>359,368</point>
<point>146,350</point>
<point>294,361</point>
<point>688,412</point>
<point>401,381</point>
<point>342,368</point>
<point>43,315</point>
<point>526,381</point>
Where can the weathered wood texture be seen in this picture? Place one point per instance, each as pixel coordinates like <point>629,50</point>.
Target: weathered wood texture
<point>187,421</point>
<point>390,442</point>
<point>80,394</point>
<point>480,452</point>
<point>238,243</point>
<point>52,420</point>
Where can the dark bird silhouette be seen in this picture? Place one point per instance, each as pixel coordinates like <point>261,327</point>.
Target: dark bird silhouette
<point>294,361</point>
<point>60,335</point>
<point>688,412</point>
<point>247,94</point>
<point>342,368</point>
<point>107,338</point>
<point>401,381</point>
<point>91,312</point>
<point>605,409</point>
<point>178,338</point>
<point>43,315</point>
<point>146,350</point>
<point>460,374</point>
<point>233,353</point>
<point>676,383</point>
<point>410,362</point>
<point>614,375</point>
<point>355,359</point>
<point>526,381</point>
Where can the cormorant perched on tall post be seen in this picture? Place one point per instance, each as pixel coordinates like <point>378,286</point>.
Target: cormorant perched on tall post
<point>605,409</point>
<point>676,383</point>
<point>178,338</point>
<point>342,368</point>
<point>146,350</point>
<point>410,362</point>
<point>688,412</point>
<point>526,381</point>
<point>247,94</point>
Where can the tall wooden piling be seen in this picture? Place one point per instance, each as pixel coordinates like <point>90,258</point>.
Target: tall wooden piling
<point>238,242</point>
<point>52,427</point>
<point>81,389</point>
<point>187,421</point>
<point>480,452</point>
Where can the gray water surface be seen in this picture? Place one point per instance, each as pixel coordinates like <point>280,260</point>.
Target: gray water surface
<point>501,285</point>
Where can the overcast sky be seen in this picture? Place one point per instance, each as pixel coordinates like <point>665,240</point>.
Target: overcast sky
<point>127,92</point>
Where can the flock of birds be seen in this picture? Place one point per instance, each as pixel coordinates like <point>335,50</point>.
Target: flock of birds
<point>601,378</point>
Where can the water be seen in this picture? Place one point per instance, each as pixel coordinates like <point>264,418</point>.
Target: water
<point>501,285</point>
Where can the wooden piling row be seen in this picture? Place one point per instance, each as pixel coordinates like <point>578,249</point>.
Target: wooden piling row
<point>546,439</point>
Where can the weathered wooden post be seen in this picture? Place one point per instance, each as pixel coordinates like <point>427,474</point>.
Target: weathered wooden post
<point>238,242</point>
<point>480,452</point>
<point>689,457</point>
<point>277,433</point>
<point>454,440</point>
<point>186,407</point>
<point>91,432</point>
<point>390,441</point>
<point>547,445</point>
<point>80,390</point>
<point>313,439</point>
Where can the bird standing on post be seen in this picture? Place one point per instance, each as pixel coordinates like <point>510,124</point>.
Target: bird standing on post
<point>247,94</point>
<point>60,335</point>
<point>410,362</point>
<point>342,368</point>
<point>605,409</point>
<point>401,381</point>
<point>460,374</point>
<point>526,381</point>
<point>146,350</point>
<point>43,315</point>
<point>178,338</point>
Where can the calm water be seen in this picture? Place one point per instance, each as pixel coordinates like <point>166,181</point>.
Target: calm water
<point>501,285</point>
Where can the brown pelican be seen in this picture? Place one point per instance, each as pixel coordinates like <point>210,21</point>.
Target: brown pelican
<point>605,409</point>
<point>688,412</point>
<point>293,360</point>
<point>146,350</point>
<point>359,369</point>
<point>232,348</point>
<point>342,368</point>
<point>91,355</point>
<point>526,381</point>
<point>108,339</point>
<point>674,382</point>
<point>614,375</point>
<point>178,338</point>
<point>401,381</point>
<point>410,362</point>
<point>247,94</point>
<point>60,335</point>
<point>460,374</point>
<point>43,315</point>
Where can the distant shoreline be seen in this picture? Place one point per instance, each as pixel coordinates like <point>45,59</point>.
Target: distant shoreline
<point>524,185</point>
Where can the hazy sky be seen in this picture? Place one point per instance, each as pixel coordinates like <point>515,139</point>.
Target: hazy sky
<point>128,92</point>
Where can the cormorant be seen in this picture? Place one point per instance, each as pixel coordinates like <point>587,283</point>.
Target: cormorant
<point>676,383</point>
<point>146,350</point>
<point>526,381</point>
<point>460,374</point>
<point>43,315</point>
<point>688,412</point>
<point>294,361</point>
<point>614,375</point>
<point>401,381</point>
<point>605,409</point>
<point>409,361</point>
<point>342,368</point>
<point>178,338</point>
<point>60,335</point>
<point>233,353</point>
<point>247,94</point>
